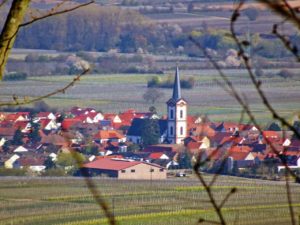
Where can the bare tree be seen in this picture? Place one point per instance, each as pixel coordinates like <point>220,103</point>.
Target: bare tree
<point>289,14</point>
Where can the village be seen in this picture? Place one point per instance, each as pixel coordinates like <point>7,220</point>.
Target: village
<point>140,145</point>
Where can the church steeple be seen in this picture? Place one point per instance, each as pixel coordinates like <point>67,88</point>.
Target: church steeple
<point>177,114</point>
<point>176,87</point>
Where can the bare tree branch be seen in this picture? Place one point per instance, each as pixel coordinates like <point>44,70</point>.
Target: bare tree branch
<point>3,3</point>
<point>8,35</point>
<point>26,100</point>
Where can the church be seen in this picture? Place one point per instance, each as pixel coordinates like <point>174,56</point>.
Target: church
<point>177,114</point>
<point>173,130</point>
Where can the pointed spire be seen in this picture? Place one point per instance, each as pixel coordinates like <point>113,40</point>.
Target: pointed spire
<point>176,88</point>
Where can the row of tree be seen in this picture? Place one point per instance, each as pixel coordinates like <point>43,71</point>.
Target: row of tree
<point>106,28</point>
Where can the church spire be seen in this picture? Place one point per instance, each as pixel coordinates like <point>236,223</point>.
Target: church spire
<point>176,88</point>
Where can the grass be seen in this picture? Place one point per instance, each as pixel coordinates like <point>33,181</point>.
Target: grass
<point>67,201</point>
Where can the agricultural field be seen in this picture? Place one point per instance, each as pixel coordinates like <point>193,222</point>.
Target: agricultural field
<point>179,201</point>
<point>118,92</point>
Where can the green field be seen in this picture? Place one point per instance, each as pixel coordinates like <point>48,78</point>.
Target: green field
<point>175,201</point>
<point>118,92</point>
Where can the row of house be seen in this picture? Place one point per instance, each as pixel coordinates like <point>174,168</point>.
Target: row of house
<point>114,137</point>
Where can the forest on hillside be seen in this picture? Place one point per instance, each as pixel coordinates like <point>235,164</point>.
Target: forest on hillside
<point>106,28</point>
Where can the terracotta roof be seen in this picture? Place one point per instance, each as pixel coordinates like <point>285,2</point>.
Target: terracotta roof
<point>270,134</point>
<point>242,148</point>
<point>4,131</point>
<point>21,124</point>
<point>156,155</point>
<point>238,155</point>
<point>69,122</point>
<point>202,129</point>
<point>110,164</point>
<point>44,122</point>
<point>12,117</point>
<point>235,140</point>
<point>43,114</point>
<point>108,134</point>
<point>31,161</point>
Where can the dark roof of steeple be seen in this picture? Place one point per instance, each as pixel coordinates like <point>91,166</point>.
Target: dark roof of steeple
<point>176,87</point>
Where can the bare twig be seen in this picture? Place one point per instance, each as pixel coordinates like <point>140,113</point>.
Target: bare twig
<point>8,35</point>
<point>54,13</point>
<point>3,2</point>
<point>17,101</point>
<point>92,186</point>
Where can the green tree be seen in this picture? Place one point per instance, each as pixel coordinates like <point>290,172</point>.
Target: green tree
<point>273,126</point>
<point>297,127</point>
<point>150,132</point>
<point>152,109</point>
<point>18,137</point>
<point>49,163</point>
<point>133,148</point>
<point>184,160</point>
<point>34,136</point>
<point>70,161</point>
<point>152,95</point>
<point>5,147</point>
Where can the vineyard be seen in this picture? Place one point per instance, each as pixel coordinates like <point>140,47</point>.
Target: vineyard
<point>118,92</point>
<point>176,201</point>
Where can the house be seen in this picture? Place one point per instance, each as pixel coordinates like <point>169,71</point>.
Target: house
<point>48,124</point>
<point>96,117</point>
<point>70,123</point>
<point>134,133</point>
<point>7,132</point>
<point>158,155</point>
<point>24,126</point>
<point>20,149</point>
<point>125,169</point>
<point>46,115</point>
<point>116,121</point>
<point>34,164</point>
<point>104,136</point>
<point>14,117</point>
<point>84,118</point>
<point>202,129</point>
<point>166,148</point>
<point>11,162</point>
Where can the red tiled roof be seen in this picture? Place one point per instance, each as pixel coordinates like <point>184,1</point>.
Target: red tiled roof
<point>12,117</point>
<point>270,134</point>
<point>238,155</point>
<point>203,129</point>
<point>7,131</point>
<point>68,122</point>
<point>233,139</point>
<point>110,164</point>
<point>156,155</point>
<point>242,148</point>
<point>44,122</point>
<point>108,134</point>
<point>20,124</point>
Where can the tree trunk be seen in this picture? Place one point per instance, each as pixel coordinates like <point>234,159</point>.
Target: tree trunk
<point>8,35</point>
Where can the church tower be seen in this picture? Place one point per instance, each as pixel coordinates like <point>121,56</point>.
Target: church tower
<point>177,114</point>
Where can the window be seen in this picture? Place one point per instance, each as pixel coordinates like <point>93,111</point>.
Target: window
<point>132,171</point>
<point>151,170</point>
<point>123,171</point>
<point>161,170</point>
<point>171,130</point>
<point>181,113</point>
<point>181,130</point>
<point>171,114</point>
